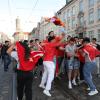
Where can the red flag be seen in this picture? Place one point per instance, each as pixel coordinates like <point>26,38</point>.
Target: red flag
<point>55,20</point>
<point>27,65</point>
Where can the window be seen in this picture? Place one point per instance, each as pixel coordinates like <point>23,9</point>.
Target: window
<point>91,3</point>
<point>99,14</point>
<point>69,24</point>
<point>63,17</point>
<point>73,23</point>
<point>81,6</point>
<point>82,21</point>
<point>73,10</point>
<point>91,17</point>
<point>68,13</point>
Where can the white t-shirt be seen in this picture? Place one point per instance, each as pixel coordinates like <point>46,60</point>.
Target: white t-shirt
<point>70,49</point>
<point>14,55</point>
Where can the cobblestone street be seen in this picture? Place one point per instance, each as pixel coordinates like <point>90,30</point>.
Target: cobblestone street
<point>59,90</point>
<point>5,83</point>
<point>6,87</point>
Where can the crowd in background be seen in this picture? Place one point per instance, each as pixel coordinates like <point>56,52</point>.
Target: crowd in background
<point>77,57</point>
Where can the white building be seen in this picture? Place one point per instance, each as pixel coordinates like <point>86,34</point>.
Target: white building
<point>68,14</point>
<point>19,34</point>
<point>82,18</point>
<point>46,27</point>
<point>3,37</point>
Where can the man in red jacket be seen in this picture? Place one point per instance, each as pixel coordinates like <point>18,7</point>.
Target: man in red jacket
<point>90,53</point>
<point>49,66</point>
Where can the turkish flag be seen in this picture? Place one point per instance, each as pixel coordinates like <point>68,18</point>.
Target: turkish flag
<point>27,65</point>
<point>91,51</point>
<point>56,21</point>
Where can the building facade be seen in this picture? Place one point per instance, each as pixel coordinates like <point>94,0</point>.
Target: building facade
<point>3,37</point>
<point>82,18</point>
<point>34,34</point>
<point>46,27</point>
<point>91,17</point>
<point>68,14</point>
<point>19,34</point>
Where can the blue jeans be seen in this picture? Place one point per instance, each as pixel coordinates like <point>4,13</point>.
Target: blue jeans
<point>7,61</point>
<point>87,70</point>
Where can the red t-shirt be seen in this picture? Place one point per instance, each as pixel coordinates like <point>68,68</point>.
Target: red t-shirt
<point>50,50</point>
<point>60,52</point>
<point>91,51</point>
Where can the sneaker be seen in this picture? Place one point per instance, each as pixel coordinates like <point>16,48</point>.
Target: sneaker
<point>74,82</point>
<point>42,86</point>
<point>92,92</point>
<point>46,92</point>
<point>88,89</point>
<point>70,86</point>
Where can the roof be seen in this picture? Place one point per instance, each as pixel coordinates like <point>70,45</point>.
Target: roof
<point>59,11</point>
<point>21,33</point>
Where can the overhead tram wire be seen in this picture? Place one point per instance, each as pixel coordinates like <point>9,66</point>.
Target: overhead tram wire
<point>9,9</point>
<point>33,8</point>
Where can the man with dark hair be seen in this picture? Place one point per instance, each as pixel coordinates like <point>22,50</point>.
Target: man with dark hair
<point>94,43</point>
<point>89,52</point>
<point>49,66</point>
<point>5,56</point>
<point>72,62</point>
<point>31,44</point>
<point>51,33</point>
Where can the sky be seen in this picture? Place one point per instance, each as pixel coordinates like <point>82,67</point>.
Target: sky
<point>29,12</point>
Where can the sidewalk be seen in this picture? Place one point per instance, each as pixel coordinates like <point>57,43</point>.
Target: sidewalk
<point>79,92</point>
<point>5,83</point>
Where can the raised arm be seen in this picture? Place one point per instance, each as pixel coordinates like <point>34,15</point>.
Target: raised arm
<point>10,49</point>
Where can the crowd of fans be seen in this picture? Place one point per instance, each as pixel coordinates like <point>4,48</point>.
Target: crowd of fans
<point>77,57</point>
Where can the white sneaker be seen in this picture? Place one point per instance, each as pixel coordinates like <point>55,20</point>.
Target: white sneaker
<point>88,89</point>
<point>70,86</point>
<point>42,86</point>
<point>46,92</point>
<point>92,92</point>
<point>74,82</point>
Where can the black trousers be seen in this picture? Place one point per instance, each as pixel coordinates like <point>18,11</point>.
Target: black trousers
<point>81,71</point>
<point>24,84</point>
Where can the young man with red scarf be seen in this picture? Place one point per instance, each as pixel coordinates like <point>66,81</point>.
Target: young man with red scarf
<point>90,53</point>
<point>48,62</point>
